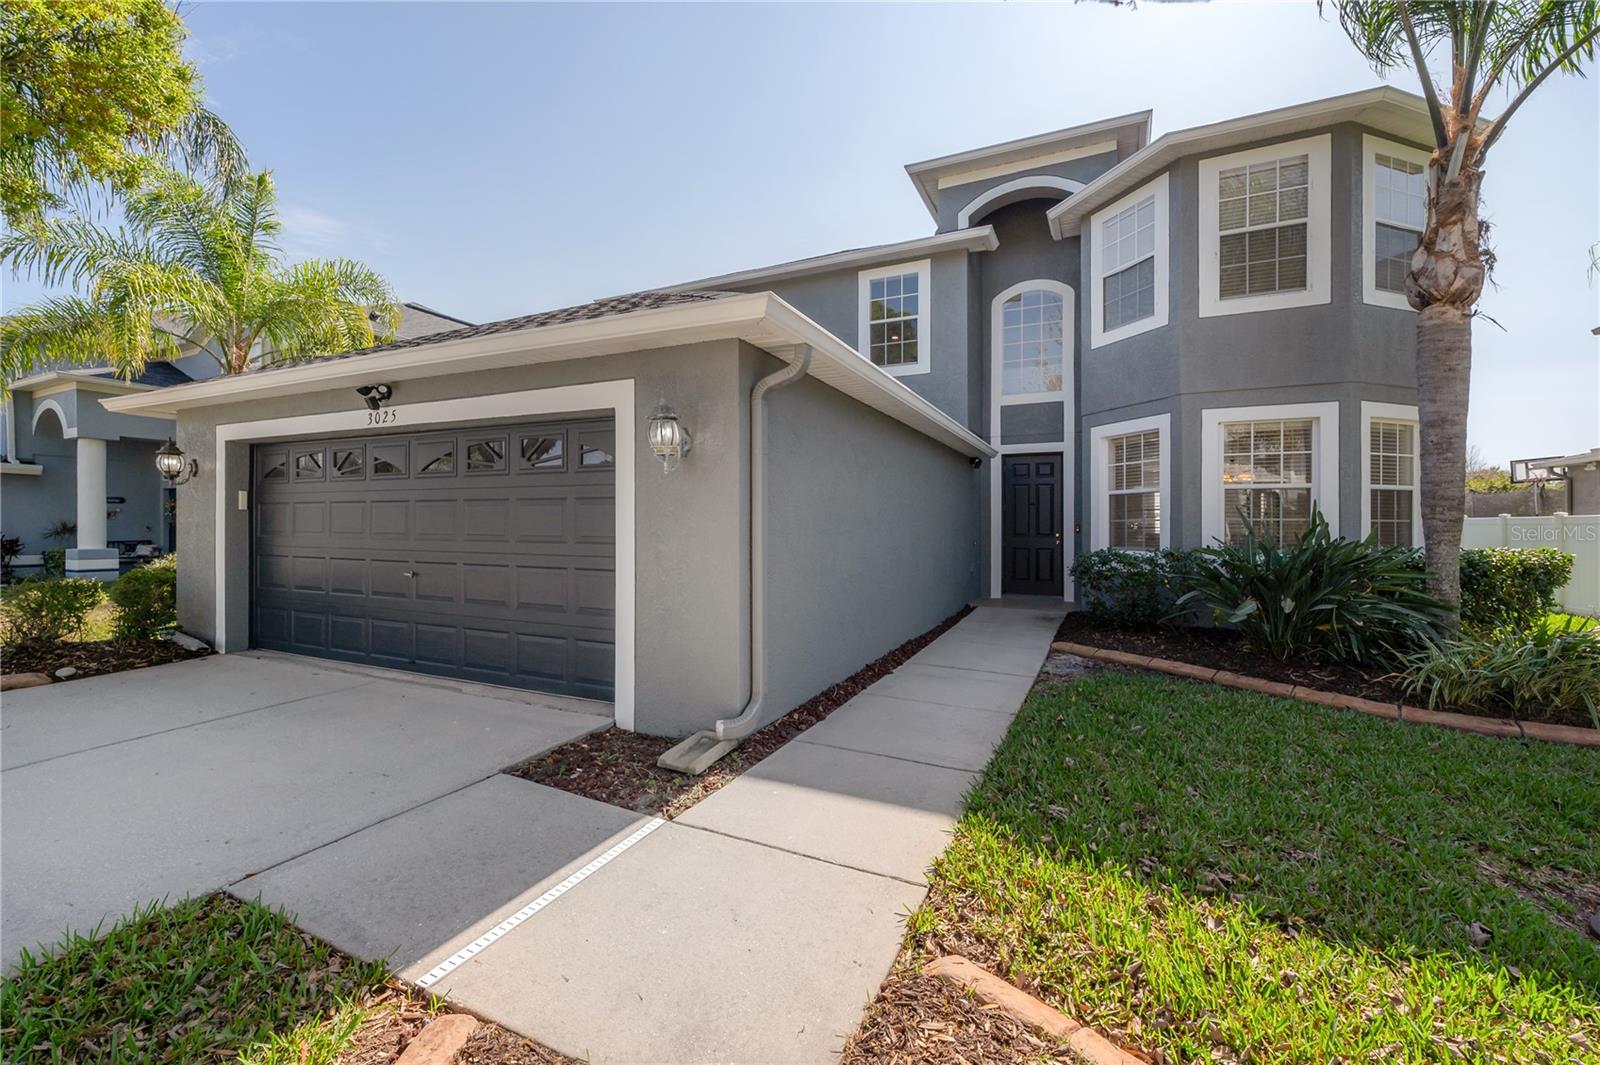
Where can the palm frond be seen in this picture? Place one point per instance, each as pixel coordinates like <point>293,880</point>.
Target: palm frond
<point>72,330</point>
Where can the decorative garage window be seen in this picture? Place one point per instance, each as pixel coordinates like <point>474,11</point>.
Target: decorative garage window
<point>1267,478</point>
<point>894,316</point>
<point>388,460</point>
<point>1395,197</point>
<point>1128,262</point>
<point>1264,228</point>
<point>348,462</point>
<point>487,455</point>
<point>1134,507</point>
<point>274,465</point>
<point>595,448</point>
<point>1032,327</point>
<point>308,465</point>
<point>435,458</point>
<point>1391,506</point>
<point>1128,475</point>
<point>543,452</point>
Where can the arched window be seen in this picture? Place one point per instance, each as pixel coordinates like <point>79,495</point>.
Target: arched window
<point>1032,342</point>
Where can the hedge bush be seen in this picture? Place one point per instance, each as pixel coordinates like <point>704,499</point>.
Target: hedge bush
<point>147,600</point>
<point>1548,673</point>
<point>1320,597</point>
<point>1133,587</point>
<point>1510,588</point>
<point>48,609</point>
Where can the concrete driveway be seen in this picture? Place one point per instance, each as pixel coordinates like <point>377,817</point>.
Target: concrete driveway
<point>182,779</point>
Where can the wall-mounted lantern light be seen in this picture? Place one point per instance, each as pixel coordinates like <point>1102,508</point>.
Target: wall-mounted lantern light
<point>174,467</point>
<point>668,438</point>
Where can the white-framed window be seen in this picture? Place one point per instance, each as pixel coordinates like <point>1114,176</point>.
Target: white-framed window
<point>894,317</point>
<point>1268,466</point>
<point>1032,344</point>
<point>1391,497</point>
<point>1394,210</point>
<point>1129,478</point>
<point>1264,228</point>
<point>1128,263</point>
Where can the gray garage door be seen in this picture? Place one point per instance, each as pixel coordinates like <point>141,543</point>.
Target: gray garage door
<point>484,553</point>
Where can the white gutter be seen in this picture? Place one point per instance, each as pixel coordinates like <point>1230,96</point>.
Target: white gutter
<point>977,238</point>
<point>759,318</point>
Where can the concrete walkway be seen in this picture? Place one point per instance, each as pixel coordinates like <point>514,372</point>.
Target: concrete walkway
<point>754,928</point>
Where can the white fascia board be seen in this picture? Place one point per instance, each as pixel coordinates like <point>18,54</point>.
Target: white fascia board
<point>978,238</point>
<point>43,384</point>
<point>925,175</point>
<point>759,318</point>
<point>1393,111</point>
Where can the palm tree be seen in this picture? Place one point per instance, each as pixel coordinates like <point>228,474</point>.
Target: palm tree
<point>1512,44</point>
<point>194,265</point>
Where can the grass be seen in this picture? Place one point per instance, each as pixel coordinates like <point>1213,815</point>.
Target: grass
<point>206,979</point>
<point>1219,875</point>
<point>97,626</point>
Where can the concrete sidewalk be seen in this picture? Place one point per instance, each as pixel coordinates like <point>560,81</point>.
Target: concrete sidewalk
<point>758,925</point>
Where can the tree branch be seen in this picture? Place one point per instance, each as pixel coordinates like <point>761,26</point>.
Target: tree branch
<point>1428,91</point>
<point>1498,126</point>
<point>1482,14</point>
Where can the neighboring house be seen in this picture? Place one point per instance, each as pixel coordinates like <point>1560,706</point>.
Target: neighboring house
<point>1107,341</point>
<point>1580,472</point>
<point>69,460</point>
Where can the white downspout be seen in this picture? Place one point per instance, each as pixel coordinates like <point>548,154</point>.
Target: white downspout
<point>737,728</point>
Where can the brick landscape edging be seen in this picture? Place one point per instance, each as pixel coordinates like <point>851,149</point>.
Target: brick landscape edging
<point>1397,711</point>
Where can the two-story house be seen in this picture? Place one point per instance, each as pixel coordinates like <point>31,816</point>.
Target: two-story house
<point>1107,341</point>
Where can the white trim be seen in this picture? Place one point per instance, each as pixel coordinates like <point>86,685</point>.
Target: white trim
<point>1098,336</point>
<point>67,432</point>
<point>1099,487</point>
<point>1390,412</point>
<point>1319,253</point>
<point>8,411</point>
<point>1370,147</point>
<point>1325,459</point>
<point>996,347</point>
<point>1068,532</point>
<point>923,268</point>
<point>615,396</point>
<point>980,238</point>
<point>1014,191</point>
<point>26,469</point>
<point>759,318</point>
<point>1022,153</point>
<point>1394,111</point>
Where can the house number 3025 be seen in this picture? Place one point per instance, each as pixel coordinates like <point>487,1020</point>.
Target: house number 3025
<point>381,417</point>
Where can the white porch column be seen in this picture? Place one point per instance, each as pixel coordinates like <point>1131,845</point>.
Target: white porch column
<point>91,553</point>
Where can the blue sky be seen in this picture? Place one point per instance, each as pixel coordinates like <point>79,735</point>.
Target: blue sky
<point>498,159</point>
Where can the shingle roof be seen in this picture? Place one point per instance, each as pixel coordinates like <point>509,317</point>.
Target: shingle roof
<point>603,308</point>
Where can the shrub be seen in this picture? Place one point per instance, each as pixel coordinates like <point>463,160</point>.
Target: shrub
<point>1133,587</point>
<point>55,561</point>
<point>1320,597</point>
<point>48,609</point>
<point>1544,673</point>
<point>147,600</point>
<point>1510,588</point>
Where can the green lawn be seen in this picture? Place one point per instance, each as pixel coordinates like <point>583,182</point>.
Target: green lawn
<point>1226,876</point>
<point>205,980</point>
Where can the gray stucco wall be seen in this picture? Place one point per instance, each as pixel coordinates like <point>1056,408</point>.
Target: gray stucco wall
<point>691,586</point>
<point>874,537</point>
<point>953,198</point>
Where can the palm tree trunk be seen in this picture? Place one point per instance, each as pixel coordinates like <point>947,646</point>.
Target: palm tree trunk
<point>1446,279</point>
<point>1444,369</point>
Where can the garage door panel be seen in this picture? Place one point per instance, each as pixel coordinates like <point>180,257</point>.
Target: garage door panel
<point>480,553</point>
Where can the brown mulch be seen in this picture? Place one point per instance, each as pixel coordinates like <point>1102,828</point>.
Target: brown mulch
<point>93,657</point>
<point>1223,649</point>
<point>399,1014</point>
<point>619,767</point>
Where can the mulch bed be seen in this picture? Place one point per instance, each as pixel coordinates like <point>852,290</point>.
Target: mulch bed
<point>619,767</point>
<point>921,1020</point>
<point>399,1014</point>
<point>93,657</point>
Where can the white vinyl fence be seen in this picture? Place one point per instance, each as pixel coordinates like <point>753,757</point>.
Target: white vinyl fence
<point>1577,535</point>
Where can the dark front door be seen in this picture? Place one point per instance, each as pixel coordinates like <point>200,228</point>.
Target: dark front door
<point>1030,539</point>
<point>487,553</point>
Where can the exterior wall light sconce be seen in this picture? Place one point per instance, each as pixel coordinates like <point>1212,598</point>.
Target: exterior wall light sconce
<point>374,396</point>
<point>175,469</point>
<point>668,438</point>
